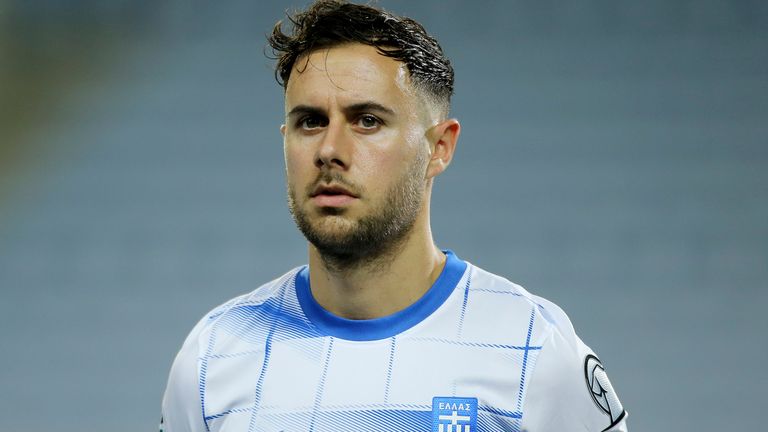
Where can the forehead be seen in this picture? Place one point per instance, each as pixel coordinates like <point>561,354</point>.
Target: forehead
<point>350,72</point>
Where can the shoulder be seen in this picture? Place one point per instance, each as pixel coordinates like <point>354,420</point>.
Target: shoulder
<point>565,384</point>
<point>504,297</point>
<point>268,293</point>
<point>182,406</point>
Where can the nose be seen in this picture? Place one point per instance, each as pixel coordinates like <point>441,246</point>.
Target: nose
<point>333,149</point>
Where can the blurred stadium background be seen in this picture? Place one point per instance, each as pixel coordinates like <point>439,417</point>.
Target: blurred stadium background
<point>614,159</point>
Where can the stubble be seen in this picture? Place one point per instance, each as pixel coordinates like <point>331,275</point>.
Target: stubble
<point>370,241</point>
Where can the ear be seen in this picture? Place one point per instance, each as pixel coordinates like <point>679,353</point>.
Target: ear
<point>442,142</point>
<point>282,130</point>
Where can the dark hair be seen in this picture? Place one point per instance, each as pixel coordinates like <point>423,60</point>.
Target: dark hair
<point>328,23</point>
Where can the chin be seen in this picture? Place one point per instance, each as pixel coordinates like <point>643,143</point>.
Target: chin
<point>334,226</point>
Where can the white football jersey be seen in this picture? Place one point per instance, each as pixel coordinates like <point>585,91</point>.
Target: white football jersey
<point>476,353</point>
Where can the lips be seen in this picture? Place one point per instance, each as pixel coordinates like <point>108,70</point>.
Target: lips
<point>331,190</point>
<point>332,195</point>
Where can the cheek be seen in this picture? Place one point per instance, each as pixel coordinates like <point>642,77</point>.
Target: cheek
<point>385,168</point>
<point>295,163</point>
<point>378,163</point>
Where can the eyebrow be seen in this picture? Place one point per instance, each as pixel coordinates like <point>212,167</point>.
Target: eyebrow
<point>357,108</point>
<point>304,110</point>
<point>369,107</point>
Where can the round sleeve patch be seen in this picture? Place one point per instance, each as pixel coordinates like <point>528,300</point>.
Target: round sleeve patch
<point>602,392</point>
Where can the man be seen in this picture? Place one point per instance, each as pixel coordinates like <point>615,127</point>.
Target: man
<point>382,330</point>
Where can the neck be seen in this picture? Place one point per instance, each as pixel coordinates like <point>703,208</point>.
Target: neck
<point>381,286</point>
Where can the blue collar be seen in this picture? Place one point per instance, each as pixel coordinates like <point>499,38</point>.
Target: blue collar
<point>380,328</point>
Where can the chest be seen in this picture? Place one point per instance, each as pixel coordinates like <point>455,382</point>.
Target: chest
<point>404,383</point>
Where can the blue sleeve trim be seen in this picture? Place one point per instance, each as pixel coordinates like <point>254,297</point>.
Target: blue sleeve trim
<point>384,327</point>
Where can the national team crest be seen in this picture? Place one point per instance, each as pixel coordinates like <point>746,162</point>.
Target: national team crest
<point>454,414</point>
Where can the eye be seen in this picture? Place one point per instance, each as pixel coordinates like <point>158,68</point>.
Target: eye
<point>312,122</point>
<point>368,121</point>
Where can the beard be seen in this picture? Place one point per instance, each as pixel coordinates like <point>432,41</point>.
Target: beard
<point>345,244</point>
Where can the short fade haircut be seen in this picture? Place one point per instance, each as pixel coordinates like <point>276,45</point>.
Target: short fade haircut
<point>330,23</point>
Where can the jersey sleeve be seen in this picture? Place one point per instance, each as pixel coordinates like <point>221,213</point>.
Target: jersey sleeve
<point>181,406</point>
<point>569,389</point>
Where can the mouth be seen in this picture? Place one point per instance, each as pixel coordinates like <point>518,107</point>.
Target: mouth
<point>332,196</point>
<point>331,190</point>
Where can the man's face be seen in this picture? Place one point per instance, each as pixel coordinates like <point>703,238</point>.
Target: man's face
<point>356,151</point>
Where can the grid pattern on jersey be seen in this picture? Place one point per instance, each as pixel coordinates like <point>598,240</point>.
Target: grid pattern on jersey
<point>274,339</point>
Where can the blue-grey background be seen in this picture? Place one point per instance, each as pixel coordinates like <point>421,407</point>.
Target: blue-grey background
<point>614,159</point>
